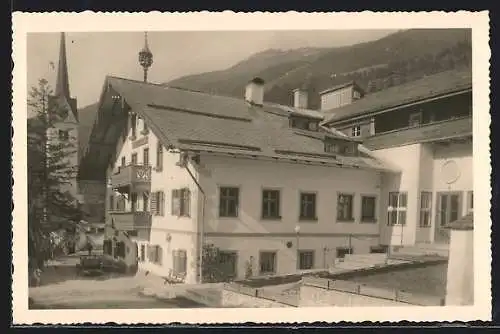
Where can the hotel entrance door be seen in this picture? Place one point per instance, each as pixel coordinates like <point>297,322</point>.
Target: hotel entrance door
<point>447,210</point>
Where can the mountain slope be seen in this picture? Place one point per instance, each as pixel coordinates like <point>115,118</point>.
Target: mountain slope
<point>412,53</point>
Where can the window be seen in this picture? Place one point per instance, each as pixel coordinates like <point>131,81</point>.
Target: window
<point>470,202</point>
<point>145,157</point>
<point>158,203</point>
<point>159,157</point>
<point>356,131</point>
<point>342,251</point>
<point>396,212</point>
<point>378,249</point>
<point>307,206</point>
<point>145,202</point>
<point>344,207</point>
<point>124,161</point>
<point>415,119</point>
<point>271,204</point>
<point>228,261</point>
<point>181,202</point>
<point>143,253</point>
<point>368,209</point>
<point>348,149</point>
<point>111,202</point>
<point>63,135</point>
<point>229,202</point>
<point>133,124</point>
<point>306,260</point>
<point>134,159</point>
<point>133,198</point>
<point>132,233</point>
<point>155,254</point>
<point>179,260</point>
<point>145,129</point>
<point>331,147</point>
<point>313,126</point>
<point>267,262</point>
<point>425,208</point>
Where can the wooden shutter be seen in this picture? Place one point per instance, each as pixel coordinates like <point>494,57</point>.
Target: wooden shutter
<point>186,202</point>
<point>175,202</point>
<point>182,261</point>
<point>159,253</point>
<point>161,203</point>
<point>154,204</point>
<point>150,253</point>
<point>174,261</point>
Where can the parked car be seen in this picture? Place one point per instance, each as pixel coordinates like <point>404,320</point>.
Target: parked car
<point>91,265</point>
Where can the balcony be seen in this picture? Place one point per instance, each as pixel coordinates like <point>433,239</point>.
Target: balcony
<point>460,127</point>
<point>131,220</point>
<point>137,177</point>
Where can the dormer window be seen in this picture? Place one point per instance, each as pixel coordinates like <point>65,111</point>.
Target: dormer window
<point>331,147</point>
<point>356,131</point>
<point>133,125</point>
<point>313,126</point>
<point>415,119</point>
<point>145,128</point>
<point>303,123</point>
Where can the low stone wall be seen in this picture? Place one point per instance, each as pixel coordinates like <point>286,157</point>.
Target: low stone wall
<point>237,295</point>
<point>316,291</point>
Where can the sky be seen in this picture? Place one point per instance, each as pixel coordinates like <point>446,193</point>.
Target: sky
<point>92,56</point>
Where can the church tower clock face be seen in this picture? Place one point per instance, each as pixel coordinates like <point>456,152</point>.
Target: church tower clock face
<point>450,171</point>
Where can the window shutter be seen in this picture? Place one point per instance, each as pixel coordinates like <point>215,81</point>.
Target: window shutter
<point>160,254</point>
<point>187,203</point>
<point>175,262</point>
<point>153,203</point>
<point>161,203</point>
<point>182,261</point>
<point>150,253</point>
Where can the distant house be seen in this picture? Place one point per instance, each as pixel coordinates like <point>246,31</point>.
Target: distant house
<point>258,180</point>
<point>425,129</point>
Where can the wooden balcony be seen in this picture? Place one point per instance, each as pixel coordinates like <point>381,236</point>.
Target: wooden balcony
<point>137,177</point>
<point>131,220</point>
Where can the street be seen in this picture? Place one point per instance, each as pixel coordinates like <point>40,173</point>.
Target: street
<point>62,288</point>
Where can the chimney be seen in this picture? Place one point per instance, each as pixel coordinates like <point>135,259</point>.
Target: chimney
<point>300,98</point>
<point>254,92</point>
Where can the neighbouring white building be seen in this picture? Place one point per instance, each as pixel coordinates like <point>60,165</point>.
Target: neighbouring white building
<point>277,188</point>
<point>424,128</point>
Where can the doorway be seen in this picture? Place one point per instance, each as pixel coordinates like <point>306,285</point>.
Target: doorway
<point>448,209</point>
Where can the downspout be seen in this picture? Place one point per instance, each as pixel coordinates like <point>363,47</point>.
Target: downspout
<point>200,226</point>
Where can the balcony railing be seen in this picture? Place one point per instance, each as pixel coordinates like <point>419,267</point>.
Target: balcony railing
<point>131,220</point>
<point>132,175</point>
<point>430,132</point>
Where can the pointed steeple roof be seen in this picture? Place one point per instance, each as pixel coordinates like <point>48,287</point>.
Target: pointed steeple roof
<point>62,93</point>
<point>62,84</point>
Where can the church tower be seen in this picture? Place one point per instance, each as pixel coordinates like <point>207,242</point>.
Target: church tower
<point>66,126</point>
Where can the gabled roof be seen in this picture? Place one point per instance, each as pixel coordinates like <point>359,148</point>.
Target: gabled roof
<point>344,85</point>
<point>196,121</point>
<point>436,85</point>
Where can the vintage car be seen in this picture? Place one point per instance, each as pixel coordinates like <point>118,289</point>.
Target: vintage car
<point>90,265</point>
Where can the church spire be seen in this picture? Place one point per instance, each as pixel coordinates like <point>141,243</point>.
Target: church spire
<point>62,84</point>
<point>145,57</point>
